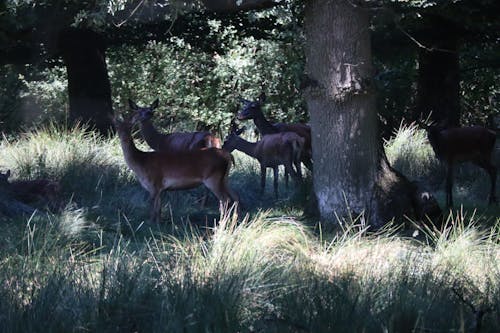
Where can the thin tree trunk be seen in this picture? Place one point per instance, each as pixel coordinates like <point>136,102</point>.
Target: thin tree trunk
<point>438,85</point>
<point>89,88</point>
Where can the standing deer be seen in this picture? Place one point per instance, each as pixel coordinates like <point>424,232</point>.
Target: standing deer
<point>271,151</point>
<point>463,144</point>
<point>253,110</point>
<point>176,170</point>
<point>174,141</point>
<point>180,141</point>
<point>31,190</point>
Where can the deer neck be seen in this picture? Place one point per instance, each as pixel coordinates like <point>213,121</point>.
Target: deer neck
<point>150,134</point>
<point>246,147</point>
<point>264,126</point>
<point>130,151</point>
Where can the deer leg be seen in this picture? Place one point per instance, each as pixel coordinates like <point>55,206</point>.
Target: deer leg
<point>449,185</point>
<point>307,159</point>
<point>156,212</point>
<point>493,180</point>
<point>287,173</point>
<point>204,198</point>
<point>222,191</point>
<point>275,181</point>
<point>298,168</point>
<point>263,171</point>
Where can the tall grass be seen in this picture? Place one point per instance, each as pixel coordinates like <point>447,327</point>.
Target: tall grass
<point>95,266</point>
<point>409,151</point>
<point>258,275</point>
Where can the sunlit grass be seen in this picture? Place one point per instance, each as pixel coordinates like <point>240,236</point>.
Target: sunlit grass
<point>409,151</point>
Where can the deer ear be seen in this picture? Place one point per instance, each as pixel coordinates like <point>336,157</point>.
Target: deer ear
<point>132,105</point>
<point>7,174</point>
<point>155,104</point>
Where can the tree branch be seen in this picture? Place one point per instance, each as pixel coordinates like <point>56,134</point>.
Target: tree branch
<point>237,5</point>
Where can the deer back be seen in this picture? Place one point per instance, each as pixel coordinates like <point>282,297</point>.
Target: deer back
<point>172,141</point>
<point>275,149</point>
<point>461,143</point>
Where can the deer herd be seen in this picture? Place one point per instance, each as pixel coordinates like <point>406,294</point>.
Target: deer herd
<point>185,160</point>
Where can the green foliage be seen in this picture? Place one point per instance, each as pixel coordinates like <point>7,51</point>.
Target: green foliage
<point>10,101</point>
<point>480,62</point>
<point>201,90</point>
<point>31,96</point>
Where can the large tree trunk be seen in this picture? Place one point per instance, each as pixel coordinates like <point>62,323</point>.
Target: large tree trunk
<point>89,89</point>
<point>351,174</point>
<point>438,85</point>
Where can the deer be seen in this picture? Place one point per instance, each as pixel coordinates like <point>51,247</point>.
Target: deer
<point>172,141</point>
<point>31,190</point>
<point>271,151</point>
<point>172,169</point>
<point>253,110</point>
<point>463,144</point>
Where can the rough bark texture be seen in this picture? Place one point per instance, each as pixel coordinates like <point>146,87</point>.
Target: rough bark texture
<point>89,88</point>
<point>438,85</point>
<point>341,106</point>
<point>351,173</point>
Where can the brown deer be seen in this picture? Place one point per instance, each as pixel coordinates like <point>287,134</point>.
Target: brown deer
<point>29,191</point>
<point>174,141</point>
<point>176,170</point>
<point>253,110</point>
<point>463,144</point>
<point>271,151</point>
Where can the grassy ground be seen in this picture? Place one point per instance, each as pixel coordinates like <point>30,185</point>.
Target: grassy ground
<point>93,265</point>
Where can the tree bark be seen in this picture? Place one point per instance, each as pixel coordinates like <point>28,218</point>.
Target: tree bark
<point>89,88</point>
<point>438,84</point>
<point>351,174</point>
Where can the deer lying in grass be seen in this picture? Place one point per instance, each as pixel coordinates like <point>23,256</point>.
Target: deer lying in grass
<point>271,151</point>
<point>176,170</point>
<point>173,141</point>
<point>29,191</point>
<point>463,144</point>
<point>253,110</point>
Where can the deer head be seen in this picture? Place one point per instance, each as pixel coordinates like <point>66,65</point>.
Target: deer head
<point>143,113</point>
<point>123,125</point>
<point>252,109</point>
<point>230,142</point>
<point>4,177</point>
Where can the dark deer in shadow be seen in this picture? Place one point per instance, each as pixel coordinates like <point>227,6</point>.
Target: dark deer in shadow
<point>271,151</point>
<point>29,191</point>
<point>253,110</point>
<point>463,144</point>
